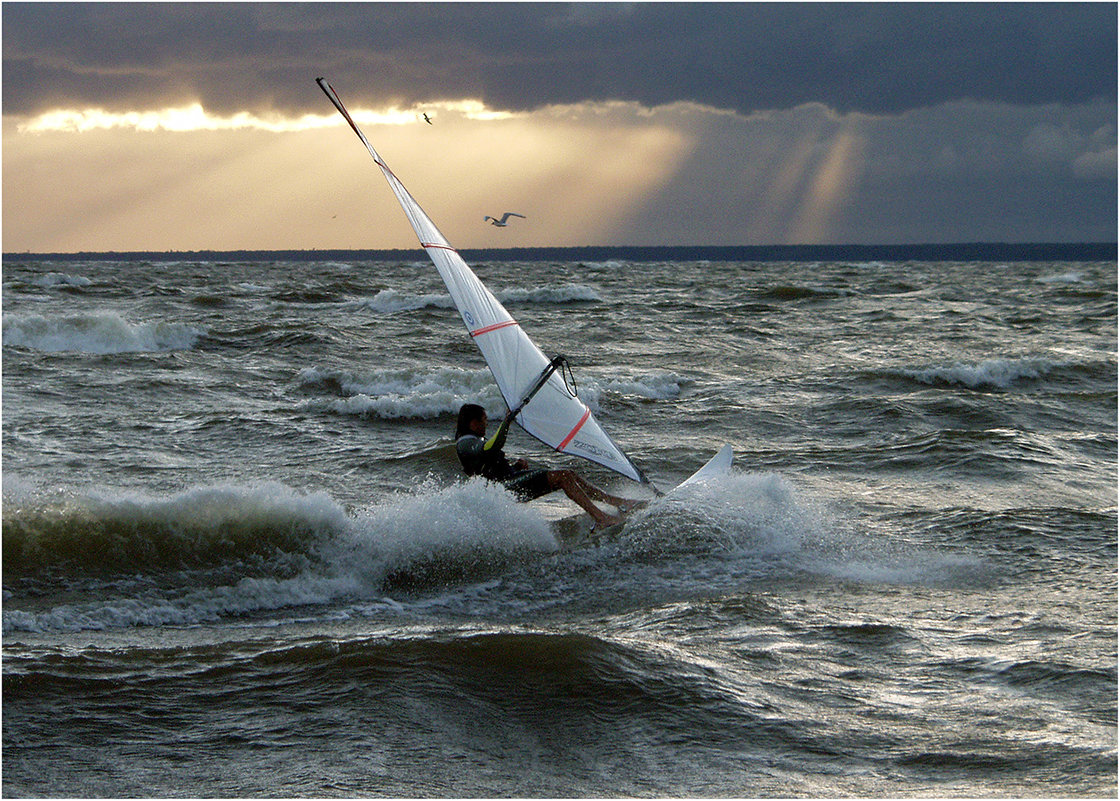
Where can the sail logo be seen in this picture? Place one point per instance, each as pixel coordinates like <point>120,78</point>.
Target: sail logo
<point>587,447</point>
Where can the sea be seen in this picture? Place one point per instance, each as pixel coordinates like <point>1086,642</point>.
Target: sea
<point>240,559</point>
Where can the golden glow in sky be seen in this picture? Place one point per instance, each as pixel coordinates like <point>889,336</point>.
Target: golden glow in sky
<point>195,118</point>
<point>612,173</point>
<point>184,179</point>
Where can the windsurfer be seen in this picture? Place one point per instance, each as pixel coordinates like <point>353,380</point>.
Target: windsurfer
<point>484,457</point>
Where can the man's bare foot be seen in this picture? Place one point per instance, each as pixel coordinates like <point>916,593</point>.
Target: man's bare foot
<point>606,521</point>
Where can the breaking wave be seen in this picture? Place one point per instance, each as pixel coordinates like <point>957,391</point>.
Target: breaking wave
<point>571,293</point>
<point>390,301</point>
<point>426,394</point>
<point>134,559</point>
<point>994,373</point>
<point>402,393</point>
<point>99,333</point>
<point>61,280</point>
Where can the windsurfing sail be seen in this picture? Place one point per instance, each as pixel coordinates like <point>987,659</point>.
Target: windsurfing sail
<point>548,410</point>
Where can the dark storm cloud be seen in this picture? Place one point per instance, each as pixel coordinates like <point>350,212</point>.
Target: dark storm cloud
<point>864,57</point>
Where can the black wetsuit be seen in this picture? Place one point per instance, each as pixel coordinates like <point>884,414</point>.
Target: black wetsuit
<point>487,459</point>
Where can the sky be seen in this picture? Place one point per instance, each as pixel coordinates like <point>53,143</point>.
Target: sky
<point>199,126</point>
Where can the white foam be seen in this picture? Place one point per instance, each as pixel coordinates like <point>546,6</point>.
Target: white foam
<point>769,528</point>
<point>610,264</point>
<point>61,279</point>
<point>195,607</point>
<point>758,511</point>
<point>267,504</point>
<point>390,301</point>
<point>1072,277</point>
<point>100,332</point>
<point>570,293</point>
<point>349,556</point>
<point>426,394</point>
<point>655,386</point>
<point>999,373</point>
<point>403,393</point>
<point>17,490</point>
<point>447,523</point>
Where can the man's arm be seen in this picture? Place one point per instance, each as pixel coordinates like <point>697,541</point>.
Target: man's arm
<point>499,439</point>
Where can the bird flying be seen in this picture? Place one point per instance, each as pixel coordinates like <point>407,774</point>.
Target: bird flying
<point>502,222</point>
<point>427,119</point>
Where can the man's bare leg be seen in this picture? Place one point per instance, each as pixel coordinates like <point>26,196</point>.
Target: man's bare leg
<point>581,492</point>
<point>623,504</point>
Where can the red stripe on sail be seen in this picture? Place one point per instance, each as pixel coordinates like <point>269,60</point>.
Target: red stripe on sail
<point>441,247</point>
<point>494,327</point>
<point>574,431</point>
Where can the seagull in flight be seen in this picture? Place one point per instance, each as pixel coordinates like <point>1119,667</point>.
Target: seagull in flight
<point>502,222</point>
<point>427,119</point>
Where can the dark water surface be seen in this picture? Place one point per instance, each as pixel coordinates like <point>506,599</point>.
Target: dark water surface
<point>238,558</point>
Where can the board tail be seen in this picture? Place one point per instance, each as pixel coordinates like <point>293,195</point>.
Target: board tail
<point>718,465</point>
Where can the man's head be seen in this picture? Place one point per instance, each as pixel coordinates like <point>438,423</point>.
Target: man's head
<point>472,420</point>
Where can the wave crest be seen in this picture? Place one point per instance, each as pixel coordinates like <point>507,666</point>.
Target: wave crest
<point>995,373</point>
<point>128,559</point>
<point>403,393</point>
<point>100,333</point>
<point>101,533</point>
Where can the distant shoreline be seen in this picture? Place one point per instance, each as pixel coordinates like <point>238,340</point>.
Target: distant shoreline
<point>975,251</point>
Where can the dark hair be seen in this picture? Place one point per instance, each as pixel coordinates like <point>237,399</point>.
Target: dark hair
<point>468,413</point>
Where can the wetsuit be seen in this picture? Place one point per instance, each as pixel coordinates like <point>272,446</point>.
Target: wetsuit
<point>487,459</point>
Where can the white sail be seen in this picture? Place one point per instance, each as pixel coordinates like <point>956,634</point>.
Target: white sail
<point>554,415</point>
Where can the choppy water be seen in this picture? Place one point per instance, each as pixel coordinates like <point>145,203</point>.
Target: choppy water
<point>238,558</point>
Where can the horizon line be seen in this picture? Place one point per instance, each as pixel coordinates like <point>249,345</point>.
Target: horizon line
<point>974,251</point>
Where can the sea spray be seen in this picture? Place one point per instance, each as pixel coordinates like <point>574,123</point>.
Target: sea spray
<point>439,535</point>
<point>212,552</point>
<point>735,512</point>
<point>770,528</point>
